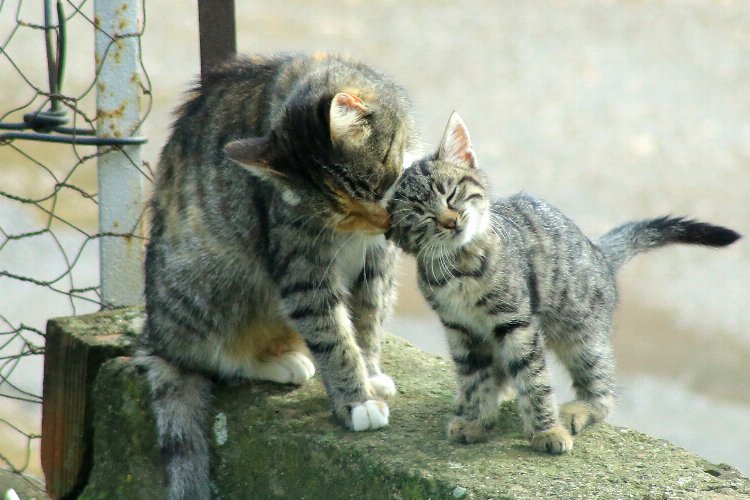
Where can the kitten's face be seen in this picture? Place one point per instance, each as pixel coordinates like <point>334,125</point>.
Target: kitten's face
<point>438,207</point>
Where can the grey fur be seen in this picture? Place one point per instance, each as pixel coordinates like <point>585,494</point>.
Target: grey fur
<point>264,245</point>
<point>512,277</point>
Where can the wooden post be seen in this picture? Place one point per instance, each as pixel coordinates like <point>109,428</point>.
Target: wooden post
<point>217,32</point>
<point>70,366</point>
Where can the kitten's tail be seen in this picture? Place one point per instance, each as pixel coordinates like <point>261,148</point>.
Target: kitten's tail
<point>623,242</point>
<point>180,404</point>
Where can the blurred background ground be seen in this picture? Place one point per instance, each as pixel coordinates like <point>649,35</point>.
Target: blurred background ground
<point>610,110</point>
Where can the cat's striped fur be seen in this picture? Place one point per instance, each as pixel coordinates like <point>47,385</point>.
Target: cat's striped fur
<point>512,277</point>
<point>266,244</point>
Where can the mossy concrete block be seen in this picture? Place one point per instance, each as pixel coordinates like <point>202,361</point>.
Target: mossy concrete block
<point>274,441</point>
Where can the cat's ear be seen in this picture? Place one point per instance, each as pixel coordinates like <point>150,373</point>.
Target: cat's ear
<point>347,118</point>
<point>456,145</point>
<point>253,154</point>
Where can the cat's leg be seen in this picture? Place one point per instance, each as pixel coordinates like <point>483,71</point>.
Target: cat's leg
<point>477,397</point>
<point>589,360</point>
<point>371,301</point>
<point>315,305</point>
<point>522,352</point>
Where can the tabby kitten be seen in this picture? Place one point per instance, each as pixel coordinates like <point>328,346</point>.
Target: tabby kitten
<point>508,278</point>
<point>266,244</point>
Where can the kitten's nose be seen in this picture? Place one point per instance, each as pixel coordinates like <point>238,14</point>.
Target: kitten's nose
<point>448,219</point>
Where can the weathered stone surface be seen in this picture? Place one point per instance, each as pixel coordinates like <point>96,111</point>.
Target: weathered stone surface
<point>272,441</point>
<point>26,487</point>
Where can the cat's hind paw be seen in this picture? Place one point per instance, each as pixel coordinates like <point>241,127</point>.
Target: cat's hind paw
<point>555,440</point>
<point>370,415</point>
<point>292,367</point>
<point>382,386</point>
<point>463,431</point>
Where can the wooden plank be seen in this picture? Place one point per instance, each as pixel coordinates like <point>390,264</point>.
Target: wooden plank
<point>75,349</point>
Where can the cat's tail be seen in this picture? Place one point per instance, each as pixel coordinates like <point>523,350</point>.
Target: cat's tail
<point>627,240</point>
<point>180,402</point>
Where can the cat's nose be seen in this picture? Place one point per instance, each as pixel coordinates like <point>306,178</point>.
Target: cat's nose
<point>448,220</point>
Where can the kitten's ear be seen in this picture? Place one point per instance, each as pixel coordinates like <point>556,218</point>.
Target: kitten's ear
<point>347,119</point>
<point>456,146</point>
<point>253,154</point>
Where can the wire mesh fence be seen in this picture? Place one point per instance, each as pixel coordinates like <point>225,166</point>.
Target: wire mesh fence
<point>49,199</point>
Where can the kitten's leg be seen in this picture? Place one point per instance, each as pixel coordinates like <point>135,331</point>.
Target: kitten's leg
<point>523,355</point>
<point>590,362</point>
<point>478,388</point>
<point>371,301</point>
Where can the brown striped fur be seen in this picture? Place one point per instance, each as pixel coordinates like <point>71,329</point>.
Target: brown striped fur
<point>266,248</point>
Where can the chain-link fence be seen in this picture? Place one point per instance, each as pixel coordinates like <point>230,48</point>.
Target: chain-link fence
<point>50,145</point>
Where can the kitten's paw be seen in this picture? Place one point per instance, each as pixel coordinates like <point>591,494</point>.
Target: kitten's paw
<point>507,393</point>
<point>370,415</point>
<point>575,416</point>
<point>461,430</point>
<point>292,367</point>
<point>382,386</point>
<point>556,440</point>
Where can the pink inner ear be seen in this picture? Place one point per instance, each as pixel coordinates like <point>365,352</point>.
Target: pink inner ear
<point>459,145</point>
<point>468,156</point>
<point>456,145</point>
<point>350,101</point>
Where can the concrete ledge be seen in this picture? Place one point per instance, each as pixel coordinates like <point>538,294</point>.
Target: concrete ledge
<point>272,441</point>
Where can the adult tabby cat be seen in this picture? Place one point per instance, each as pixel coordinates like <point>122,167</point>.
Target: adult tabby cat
<point>250,270</point>
<point>513,276</point>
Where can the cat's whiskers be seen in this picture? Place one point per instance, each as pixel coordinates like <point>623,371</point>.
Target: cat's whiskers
<point>442,261</point>
<point>333,259</point>
<point>497,227</point>
<point>397,223</point>
<point>422,256</point>
<point>507,219</point>
<point>452,263</point>
<point>365,249</point>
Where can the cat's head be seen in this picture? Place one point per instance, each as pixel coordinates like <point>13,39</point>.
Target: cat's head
<point>440,203</point>
<point>334,156</point>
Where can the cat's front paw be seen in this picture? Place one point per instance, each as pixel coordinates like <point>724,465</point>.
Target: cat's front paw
<point>463,431</point>
<point>292,367</point>
<point>382,386</point>
<point>575,416</point>
<point>555,440</point>
<point>370,415</point>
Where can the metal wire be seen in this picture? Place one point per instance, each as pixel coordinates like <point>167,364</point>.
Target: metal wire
<point>50,197</point>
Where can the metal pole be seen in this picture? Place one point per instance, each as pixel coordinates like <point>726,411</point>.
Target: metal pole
<point>217,32</point>
<point>120,181</point>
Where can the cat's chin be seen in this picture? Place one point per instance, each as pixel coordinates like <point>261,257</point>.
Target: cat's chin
<point>450,246</point>
<point>464,237</point>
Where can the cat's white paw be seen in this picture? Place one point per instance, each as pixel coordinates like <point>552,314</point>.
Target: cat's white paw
<point>369,415</point>
<point>291,367</point>
<point>383,386</point>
